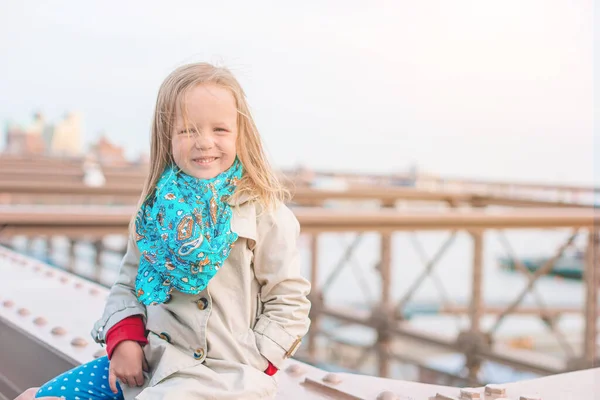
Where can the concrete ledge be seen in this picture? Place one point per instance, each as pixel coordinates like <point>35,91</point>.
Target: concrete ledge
<point>27,361</point>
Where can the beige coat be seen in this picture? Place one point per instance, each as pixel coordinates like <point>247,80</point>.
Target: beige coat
<point>215,345</point>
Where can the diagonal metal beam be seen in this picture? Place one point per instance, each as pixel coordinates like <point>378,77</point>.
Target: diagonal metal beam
<point>540,302</point>
<point>361,358</point>
<point>592,285</point>
<point>426,271</point>
<point>357,272</point>
<point>544,269</point>
<point>343,261</point>
<point>420,249</point>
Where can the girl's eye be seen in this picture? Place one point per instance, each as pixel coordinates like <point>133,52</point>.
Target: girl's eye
<point>220,129</point>
<point>187,131</point>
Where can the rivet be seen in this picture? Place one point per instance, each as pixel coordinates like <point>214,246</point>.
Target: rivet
<point>295,369</point>
<point>23,312</point>
<point>64,279</point>
<point>441,396</point>
<point>79,342</point>
<point>58,331</point>
<point>100,353</point>
<point>493,389</point>
<point>332,379</point>
<point>387,395</point>
<point>49,273</point>
<point>40,321</point>
<point>78,285</point>
<point>470,394</point>
<point>94,291</point>
<point>8,303</point>
<point>37,268</point>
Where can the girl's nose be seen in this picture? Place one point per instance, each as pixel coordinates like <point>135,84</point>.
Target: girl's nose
<point>203,142</point>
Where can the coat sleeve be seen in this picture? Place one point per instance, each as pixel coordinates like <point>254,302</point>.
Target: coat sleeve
<point>284,319</point>
<point>122,301</point>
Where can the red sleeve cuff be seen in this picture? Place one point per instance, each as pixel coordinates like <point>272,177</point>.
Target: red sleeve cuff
<point>131,328</point>
<point>271,369</point>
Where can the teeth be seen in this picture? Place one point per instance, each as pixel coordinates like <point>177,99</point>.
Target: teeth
<point>204,160</point>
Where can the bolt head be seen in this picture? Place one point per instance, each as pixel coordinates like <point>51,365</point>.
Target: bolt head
<point>58,331</point>
<point>23,312</point>
<point>387,395</point>
<point>79,342</point>
<point>332,379</point>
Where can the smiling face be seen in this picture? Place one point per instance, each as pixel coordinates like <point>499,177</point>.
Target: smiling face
<point>203,141</point>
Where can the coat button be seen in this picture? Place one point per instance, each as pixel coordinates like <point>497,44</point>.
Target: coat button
<point>202,303</point>
<point>198,354</point>
<point>165,336</point>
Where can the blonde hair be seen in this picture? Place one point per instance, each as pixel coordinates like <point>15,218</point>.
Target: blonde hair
<point>258,182</point>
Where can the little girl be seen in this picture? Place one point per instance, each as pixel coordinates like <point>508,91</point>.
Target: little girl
<point>209,302</point>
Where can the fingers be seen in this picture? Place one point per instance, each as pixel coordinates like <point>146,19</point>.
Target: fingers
<point>139,378</point>
<point>131,381</point>
<point>112,381</point>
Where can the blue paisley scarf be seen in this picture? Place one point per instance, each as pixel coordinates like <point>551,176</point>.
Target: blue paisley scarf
<point>184,233</point>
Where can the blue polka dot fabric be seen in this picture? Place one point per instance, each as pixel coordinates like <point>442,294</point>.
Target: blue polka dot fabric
<point>86,382</point>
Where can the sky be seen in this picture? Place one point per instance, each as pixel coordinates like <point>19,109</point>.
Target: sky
<point>480,89</point>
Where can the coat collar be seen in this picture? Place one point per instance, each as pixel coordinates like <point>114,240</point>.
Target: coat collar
<point>243,219</point>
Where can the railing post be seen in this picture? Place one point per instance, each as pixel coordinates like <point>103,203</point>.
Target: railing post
<point>45,248</point>
<point>99,248</point>
<point>384,338</point>
<point>473,341</point>
<point>592,282</point>
<point>316,297</point>
<point>72,262</point>
<point>476,306</point>
<point>30,245</point>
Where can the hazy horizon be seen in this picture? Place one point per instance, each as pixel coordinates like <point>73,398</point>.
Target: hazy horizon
<point>481,89</point>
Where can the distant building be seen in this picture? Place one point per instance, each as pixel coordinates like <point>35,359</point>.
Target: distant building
<point>107,153</point>
<point>65,138</point>
<point>62,139</point>
<point>26,140</point>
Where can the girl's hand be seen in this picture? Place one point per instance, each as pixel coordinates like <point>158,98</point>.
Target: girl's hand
<point>126,365</point>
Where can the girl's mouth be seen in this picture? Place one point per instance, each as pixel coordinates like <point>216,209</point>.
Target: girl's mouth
<point>204,160</point>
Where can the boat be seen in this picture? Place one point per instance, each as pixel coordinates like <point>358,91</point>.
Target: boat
<point>570,265</point>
